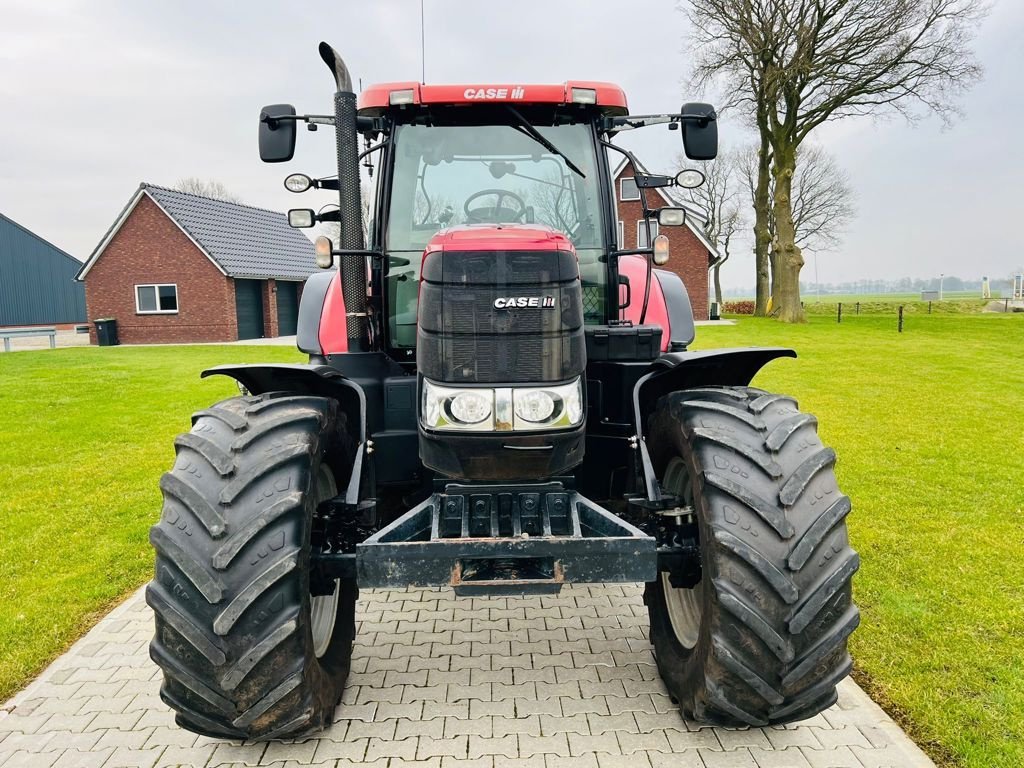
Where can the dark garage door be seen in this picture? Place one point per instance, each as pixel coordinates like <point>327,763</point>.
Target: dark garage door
<point>287,307</point>
<point>249,308</point>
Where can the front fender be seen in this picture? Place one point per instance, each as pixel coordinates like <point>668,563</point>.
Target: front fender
<point>302,379</point>
<point>675,371</point>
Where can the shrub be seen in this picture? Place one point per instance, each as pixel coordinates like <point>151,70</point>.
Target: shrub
<point>743,307</point>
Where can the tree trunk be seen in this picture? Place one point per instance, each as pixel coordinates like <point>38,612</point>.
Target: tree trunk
<point>762,214</point>
<point>788,259</point>
<point>718,287</point>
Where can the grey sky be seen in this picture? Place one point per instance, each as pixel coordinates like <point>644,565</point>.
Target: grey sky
<point>100,95</point>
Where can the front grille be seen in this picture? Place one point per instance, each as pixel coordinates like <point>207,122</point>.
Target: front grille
<point>464,338</point>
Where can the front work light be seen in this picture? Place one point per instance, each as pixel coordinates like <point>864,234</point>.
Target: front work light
<point>583,96</point>
<point>301,218</point>
<point>297,182</point>
<point>690,178</point>
<point>324,249</point>
<point>406,96</point>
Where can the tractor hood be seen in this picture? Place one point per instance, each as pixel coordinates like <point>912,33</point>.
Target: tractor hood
<point>499,237</point>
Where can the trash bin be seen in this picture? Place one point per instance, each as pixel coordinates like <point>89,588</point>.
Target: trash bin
<point>106,332</point>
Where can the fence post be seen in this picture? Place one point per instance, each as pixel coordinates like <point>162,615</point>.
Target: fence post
<point>901,319</point>
<point>839,312</point>
<point>858,307</point>
<point>929,307</point>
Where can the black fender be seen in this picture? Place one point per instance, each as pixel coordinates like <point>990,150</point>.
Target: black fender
<point>316,380</point>
<point>675,371</point>
<point>302,379</point>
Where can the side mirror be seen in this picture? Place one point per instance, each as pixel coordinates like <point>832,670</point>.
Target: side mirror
<point>700,131</point>
<point>277,137</point>
<point>671,217</point>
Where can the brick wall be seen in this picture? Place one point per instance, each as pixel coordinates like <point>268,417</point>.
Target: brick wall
<point>150,248</point>
<point>688,257</point>
<point>270,324</point>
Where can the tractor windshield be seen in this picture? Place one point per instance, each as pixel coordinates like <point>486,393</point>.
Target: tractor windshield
<point>445,175</point>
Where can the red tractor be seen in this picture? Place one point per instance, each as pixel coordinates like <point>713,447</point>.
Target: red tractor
<point>501,400</point>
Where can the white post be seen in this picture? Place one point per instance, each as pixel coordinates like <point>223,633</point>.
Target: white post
<point>941,276</point>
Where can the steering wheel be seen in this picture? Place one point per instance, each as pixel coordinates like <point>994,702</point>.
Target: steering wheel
<point>497,213</point>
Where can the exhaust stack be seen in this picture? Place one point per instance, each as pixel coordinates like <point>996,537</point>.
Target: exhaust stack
<point>353,267</point>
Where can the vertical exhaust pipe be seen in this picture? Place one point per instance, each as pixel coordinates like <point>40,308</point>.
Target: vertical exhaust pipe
<point>353,268</point>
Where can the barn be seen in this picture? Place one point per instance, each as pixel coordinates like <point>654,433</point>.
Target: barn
<point>37,280</point>
<point>175,268</point>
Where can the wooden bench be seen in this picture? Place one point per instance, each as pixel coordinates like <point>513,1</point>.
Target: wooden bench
<point>19,333</point>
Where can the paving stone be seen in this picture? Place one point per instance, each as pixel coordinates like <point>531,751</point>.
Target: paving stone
<point>836,757</point>
<point>791,757</point>
<point>544,745</point>
<point>598,742</point>
<point>734,738</point>
<point>564,681</point>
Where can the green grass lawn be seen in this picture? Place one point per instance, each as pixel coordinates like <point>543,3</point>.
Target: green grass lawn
<point>84,437</point>
<point>927,425</point>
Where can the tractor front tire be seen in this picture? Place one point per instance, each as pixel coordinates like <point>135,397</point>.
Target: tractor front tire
<point>761,638</point>
<point>247,652</point>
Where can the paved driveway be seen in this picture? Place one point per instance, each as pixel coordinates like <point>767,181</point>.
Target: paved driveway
<point>442,682</point>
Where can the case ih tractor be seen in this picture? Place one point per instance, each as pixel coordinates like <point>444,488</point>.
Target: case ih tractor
<point>501,400</point>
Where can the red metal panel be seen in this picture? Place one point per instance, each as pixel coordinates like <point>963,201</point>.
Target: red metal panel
<point>635,268</point>
<point>610,97</point>
<point>333,335</point>
<point>504,237</point>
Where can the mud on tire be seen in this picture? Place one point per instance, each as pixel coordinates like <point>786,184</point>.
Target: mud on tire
<point>761,639</point>
<point>234,624</point>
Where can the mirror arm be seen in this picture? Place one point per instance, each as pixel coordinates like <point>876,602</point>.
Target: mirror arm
<point>629,122</point>
<point>363,124</point>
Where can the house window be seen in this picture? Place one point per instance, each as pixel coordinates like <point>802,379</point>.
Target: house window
<point>628,189</point>
<point>622,236</point>
<point>156,299</point>
<point>641,233</point>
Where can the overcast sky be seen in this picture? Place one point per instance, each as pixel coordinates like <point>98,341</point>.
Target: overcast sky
<point>100,95</point>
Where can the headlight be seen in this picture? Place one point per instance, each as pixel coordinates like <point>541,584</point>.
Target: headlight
<point>470,407</point>
<point>482,409</point>
<point>535,407</point>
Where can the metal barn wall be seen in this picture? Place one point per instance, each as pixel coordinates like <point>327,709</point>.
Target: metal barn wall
<point>37,280</point>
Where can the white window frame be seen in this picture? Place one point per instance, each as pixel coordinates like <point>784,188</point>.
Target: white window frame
<point>622,197</point>
<point>641,228</point>
<point>622,235</point>
<point>157,311</point>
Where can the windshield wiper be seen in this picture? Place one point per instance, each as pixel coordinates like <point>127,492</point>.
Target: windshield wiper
<point>524,126</point>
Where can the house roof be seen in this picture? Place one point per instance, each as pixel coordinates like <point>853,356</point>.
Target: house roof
<point>242,241</point>
<point>671,199</point>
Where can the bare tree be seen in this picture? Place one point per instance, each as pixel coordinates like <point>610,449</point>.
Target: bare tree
<point>795,64</point>
<point>206,188</point>
<point>822,200</point>
<point>720,200</point>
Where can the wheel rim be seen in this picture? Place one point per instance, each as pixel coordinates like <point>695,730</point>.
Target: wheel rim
<point>683,605</point>
<point>323,609</point>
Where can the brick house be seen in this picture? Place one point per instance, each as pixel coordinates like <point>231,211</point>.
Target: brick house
<point>691,253</point>
<point>177,268</point>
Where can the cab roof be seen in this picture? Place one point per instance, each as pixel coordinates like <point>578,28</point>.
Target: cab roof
<point>607,97</point>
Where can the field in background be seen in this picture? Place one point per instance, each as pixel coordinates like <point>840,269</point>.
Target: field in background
<point>927,425</point>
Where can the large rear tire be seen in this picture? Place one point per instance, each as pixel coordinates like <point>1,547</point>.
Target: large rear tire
<point>761,638</point>
<point>247,651</point>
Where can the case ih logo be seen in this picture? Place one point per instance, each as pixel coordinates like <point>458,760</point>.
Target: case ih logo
<point>540,302</point>
<point>515,92</point>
